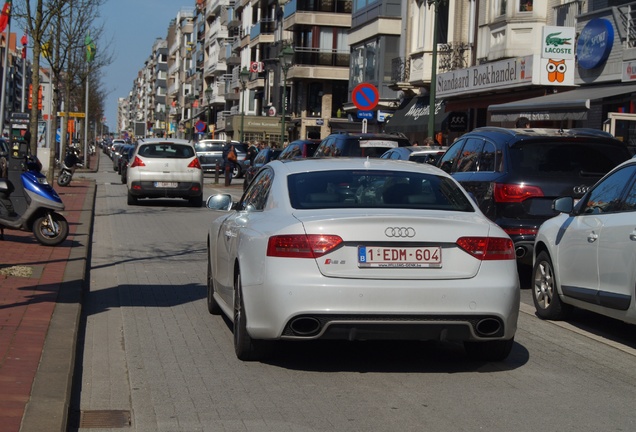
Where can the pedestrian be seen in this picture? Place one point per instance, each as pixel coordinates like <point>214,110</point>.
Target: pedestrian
<point>415,143</point>
<point>229,160</point>
<point>523,123</point>
<point>429,141</point>
<point>27,137</point>
<point>252,151</point>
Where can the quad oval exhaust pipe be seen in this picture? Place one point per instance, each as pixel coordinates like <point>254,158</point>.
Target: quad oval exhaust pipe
<point>488,327</point>
<point>305,326</point>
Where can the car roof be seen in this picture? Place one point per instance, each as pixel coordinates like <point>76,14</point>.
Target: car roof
<point>528,134</point>
<point>165,140</point>
<point>217,141</point>
<point>293,166</point>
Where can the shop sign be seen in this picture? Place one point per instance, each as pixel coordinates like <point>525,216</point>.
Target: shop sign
<point>504,73</point>
<point>629,71</point>
<point>558,42</point>
<point>457,122</point>
<point>595,43</point>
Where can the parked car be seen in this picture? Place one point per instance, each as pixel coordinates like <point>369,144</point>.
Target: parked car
<point>585,256</point>
<point>359,145</point>
<point>417,154</point>
<point>300,149</point>
<point>124,161</point>
<point>263,157</point>
<point>116,152</point>
<point>359,250</point>
<point>117,158</point>
<point>515,174</point>
<point>210,153</point>
<point>165,168</point>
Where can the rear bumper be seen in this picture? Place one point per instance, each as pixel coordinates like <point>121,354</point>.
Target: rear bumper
<point>148,189</point>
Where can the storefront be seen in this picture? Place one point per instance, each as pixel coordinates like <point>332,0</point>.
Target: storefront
<point>254,128</point>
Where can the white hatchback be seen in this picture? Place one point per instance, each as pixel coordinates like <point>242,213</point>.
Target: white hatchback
<point>165,168</point>
<point>360,249</point>
<point>585,256</point>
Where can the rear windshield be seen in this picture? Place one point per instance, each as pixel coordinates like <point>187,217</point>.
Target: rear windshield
<point>166,150</point>
<point>208,146</point>
<point>375,189</point>
<point>583,159</point>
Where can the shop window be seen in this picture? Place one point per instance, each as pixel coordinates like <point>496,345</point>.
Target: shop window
<point>525,5</point>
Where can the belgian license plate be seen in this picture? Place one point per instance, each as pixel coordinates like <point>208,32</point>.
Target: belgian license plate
<point>166,184</point>
<point>397,257</point>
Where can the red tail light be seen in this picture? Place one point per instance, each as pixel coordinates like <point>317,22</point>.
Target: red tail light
<point>137,163</point>
<point>195,163</point>
<point>302,246</point>
<point>488,248</point>
<point>516,192</point>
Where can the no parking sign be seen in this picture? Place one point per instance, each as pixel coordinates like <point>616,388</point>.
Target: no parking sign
<point>365,96</point>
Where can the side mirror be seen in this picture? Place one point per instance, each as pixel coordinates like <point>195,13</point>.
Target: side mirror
<point>563,204</point>
<point>219,202</point>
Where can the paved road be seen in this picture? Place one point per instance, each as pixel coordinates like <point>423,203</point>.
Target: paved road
<point>152,353</point>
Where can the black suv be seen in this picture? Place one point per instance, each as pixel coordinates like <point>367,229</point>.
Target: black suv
<point>359,145</point>
<point>515,174</point>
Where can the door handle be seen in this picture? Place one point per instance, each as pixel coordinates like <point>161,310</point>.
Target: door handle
<point>632,235</point>
<point>592,237</point>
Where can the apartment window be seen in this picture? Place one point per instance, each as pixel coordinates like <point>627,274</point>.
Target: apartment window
<point>525,5</point>
<point>371,61</point>
<point>499,7</point>
<point>361,4</point>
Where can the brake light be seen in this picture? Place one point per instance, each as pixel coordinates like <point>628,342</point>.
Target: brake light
<point>521,231</point>
<point>195,163</point>
<point>137,163</point>
<point>488,248</point>
<point>516,192</point>
<point>301,245</point>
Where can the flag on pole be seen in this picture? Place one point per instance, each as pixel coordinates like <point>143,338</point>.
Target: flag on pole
<point>90,48</point>
<point>5,15</point>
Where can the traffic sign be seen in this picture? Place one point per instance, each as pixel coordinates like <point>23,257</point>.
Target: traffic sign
<point>200,126</point>
<point>365,114</point>
<point>365,96</point>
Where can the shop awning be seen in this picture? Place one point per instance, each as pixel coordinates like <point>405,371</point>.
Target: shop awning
<point>414,117</point>
<point>569,105</point>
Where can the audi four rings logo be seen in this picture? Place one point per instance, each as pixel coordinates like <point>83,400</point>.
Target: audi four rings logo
<point>399,232</point>
<point>580,189</point>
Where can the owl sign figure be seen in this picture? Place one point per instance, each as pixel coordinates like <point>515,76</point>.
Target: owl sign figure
<point>556,70</point>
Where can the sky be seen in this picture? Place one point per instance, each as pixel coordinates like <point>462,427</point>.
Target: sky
<point>130,29</point>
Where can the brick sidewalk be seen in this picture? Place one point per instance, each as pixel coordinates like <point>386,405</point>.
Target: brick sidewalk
<point>32,282</point>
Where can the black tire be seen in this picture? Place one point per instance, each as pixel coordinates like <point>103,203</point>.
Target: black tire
<point>50,235</point>
<point>213,306</point>
<point>246,348</point>
<point>132,200</point>
<point>237,172</point>
<point>64,178</point>
<point>196,201</point>
<point>496,350</point>
<point>545,295</point>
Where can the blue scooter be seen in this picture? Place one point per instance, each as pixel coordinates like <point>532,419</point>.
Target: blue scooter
<point>40,201</point>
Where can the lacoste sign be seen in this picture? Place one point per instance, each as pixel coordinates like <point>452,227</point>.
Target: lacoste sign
<point>558,43</point>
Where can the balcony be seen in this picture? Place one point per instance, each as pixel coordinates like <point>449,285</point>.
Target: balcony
<point>329,6</point>
<point>262,32</point>
<point>305,18</point>
<point>320,57</point>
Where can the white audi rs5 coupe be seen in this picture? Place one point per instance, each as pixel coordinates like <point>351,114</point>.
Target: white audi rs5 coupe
<point>360,249</point>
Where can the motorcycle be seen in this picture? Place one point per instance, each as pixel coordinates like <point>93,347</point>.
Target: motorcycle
<point>71,162</point>
<point>42,204</point>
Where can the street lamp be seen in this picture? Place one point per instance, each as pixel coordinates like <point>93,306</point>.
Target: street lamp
<point>208,96</point>
<point>286,58</point>
<point>431,100</point>
<point>244,77</point>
